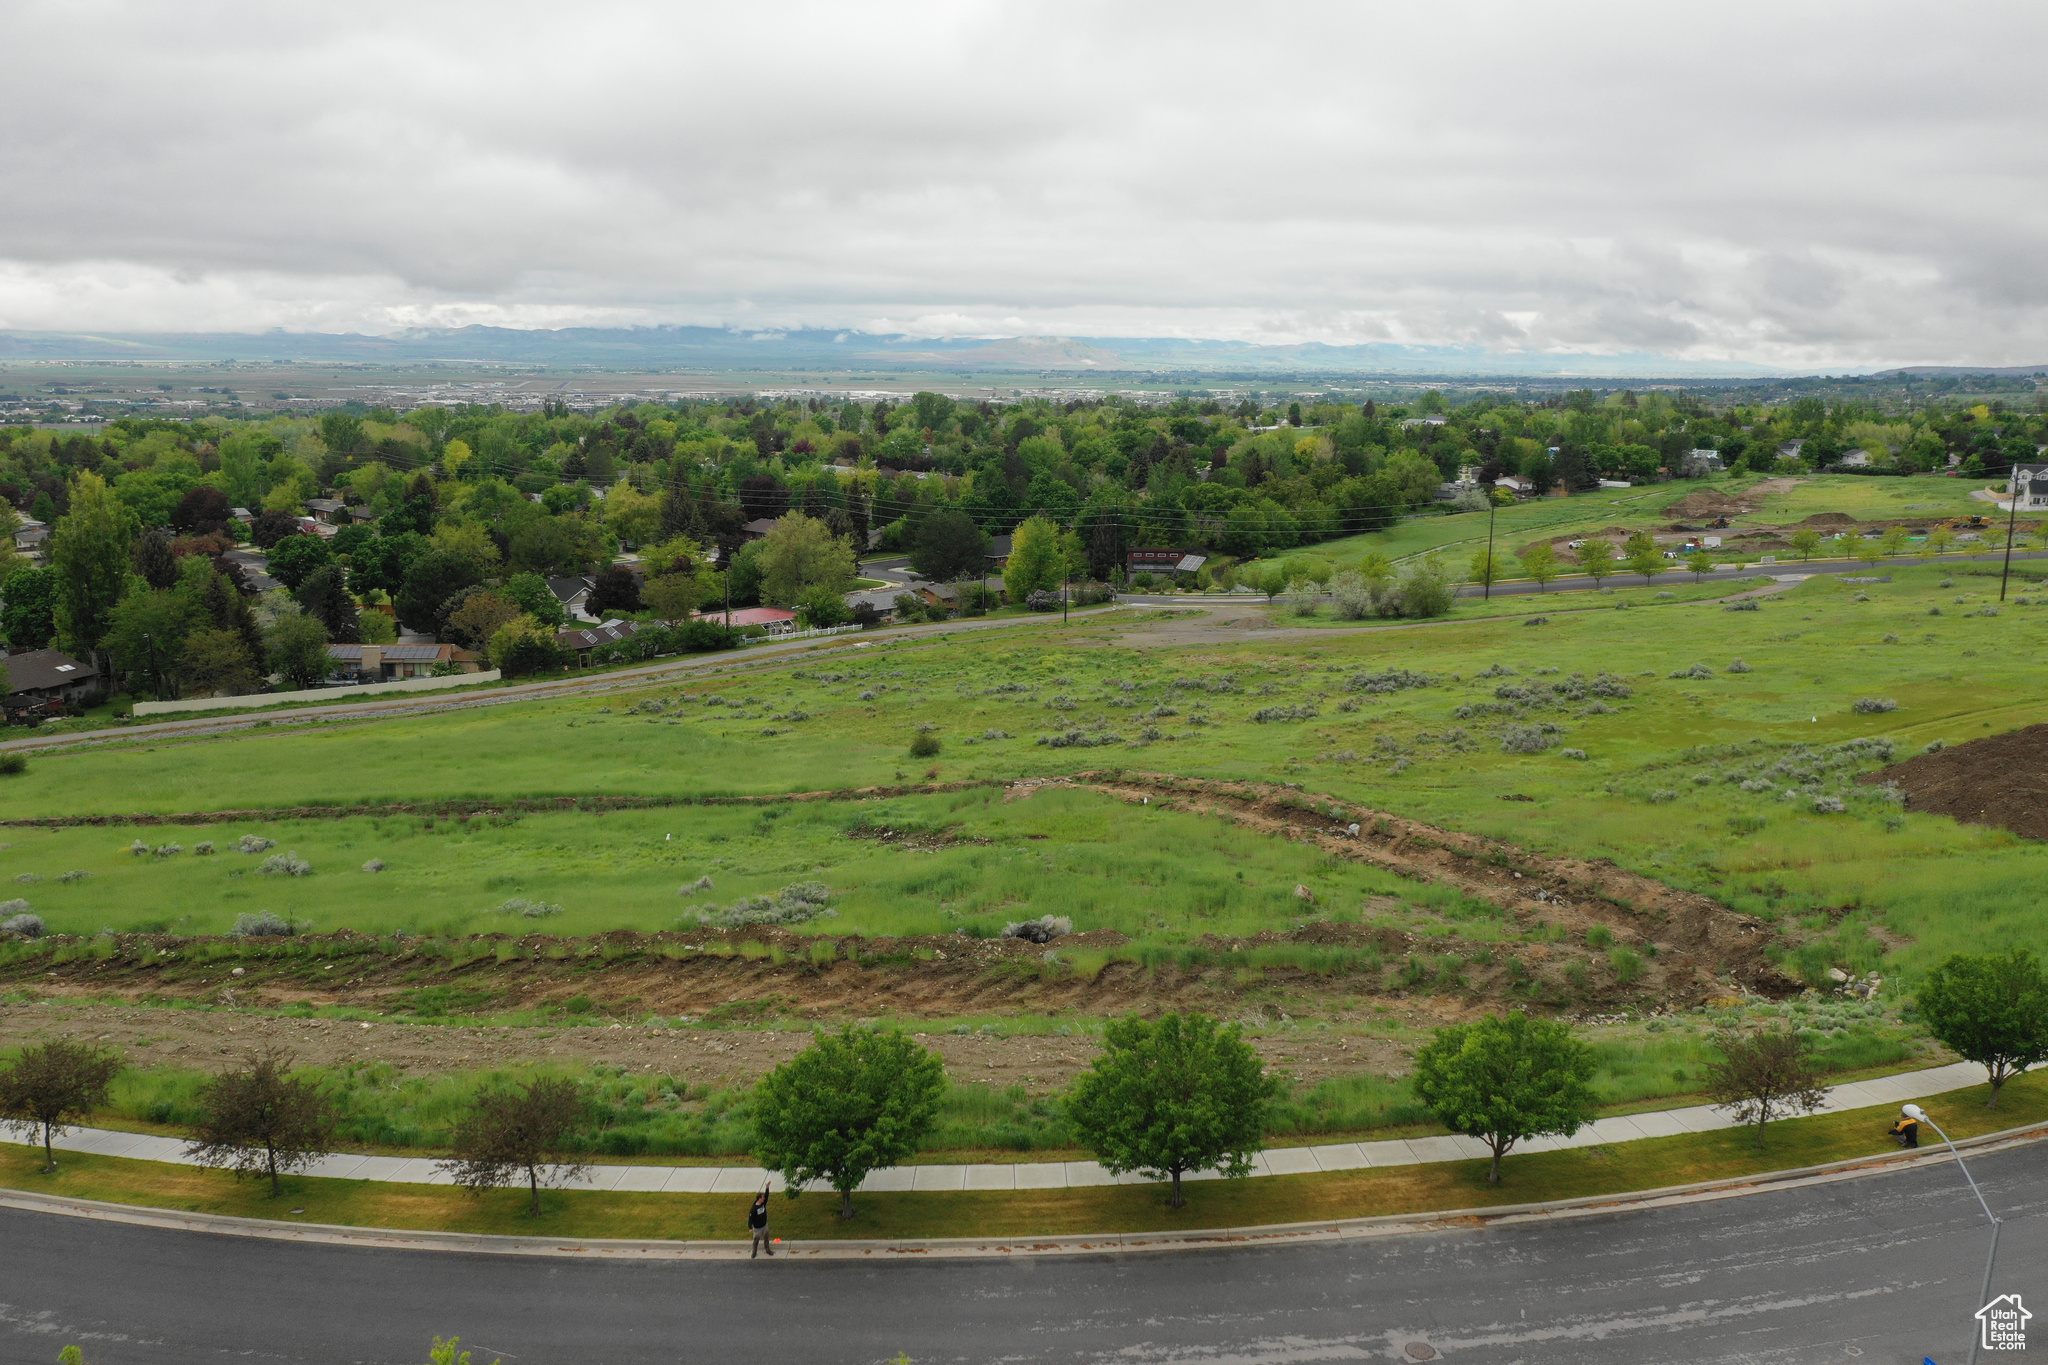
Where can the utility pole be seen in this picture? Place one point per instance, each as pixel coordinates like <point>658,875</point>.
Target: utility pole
<point>2022,483</point>
<point>1491,508</point>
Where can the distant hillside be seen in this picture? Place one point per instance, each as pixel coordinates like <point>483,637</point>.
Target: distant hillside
<point>1947,371</point>
<point>713,348</point>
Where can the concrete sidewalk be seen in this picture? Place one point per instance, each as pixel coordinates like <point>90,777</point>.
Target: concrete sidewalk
<point>1045,1175</point>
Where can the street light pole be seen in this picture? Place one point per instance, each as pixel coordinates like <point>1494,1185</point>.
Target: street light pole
<point>1914,1111</point>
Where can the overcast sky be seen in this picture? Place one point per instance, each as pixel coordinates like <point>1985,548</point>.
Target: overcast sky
<point>1791,183</point>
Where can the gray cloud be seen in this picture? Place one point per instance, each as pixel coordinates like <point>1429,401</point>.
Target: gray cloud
<point>1784,183</point>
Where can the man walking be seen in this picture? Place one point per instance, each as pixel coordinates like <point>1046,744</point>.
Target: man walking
<point>757,1222</point>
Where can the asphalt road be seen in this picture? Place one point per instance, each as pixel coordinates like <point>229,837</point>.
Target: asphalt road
<point>1882,1269</point>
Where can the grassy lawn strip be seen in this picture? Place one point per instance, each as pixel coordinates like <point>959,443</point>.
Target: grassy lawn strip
<point>1647,1164</point>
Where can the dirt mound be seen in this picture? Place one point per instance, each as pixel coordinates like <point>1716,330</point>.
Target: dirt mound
<point>1706,503</point>
<point>1828,519</point>
<point>2001,780</point>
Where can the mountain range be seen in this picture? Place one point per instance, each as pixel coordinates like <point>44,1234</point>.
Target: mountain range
<point>717,348</point>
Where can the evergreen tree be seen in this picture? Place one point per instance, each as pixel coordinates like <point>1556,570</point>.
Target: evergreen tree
<point>155,561</point>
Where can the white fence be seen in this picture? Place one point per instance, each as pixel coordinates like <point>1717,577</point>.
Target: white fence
<point>160,708</point>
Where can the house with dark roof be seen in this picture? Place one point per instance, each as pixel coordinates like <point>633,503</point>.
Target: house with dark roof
<point>36,676</point>
<point>390,663</point>
<point>574,595</point>
<point>2035,478</point>
<point>582,642</point>
<point>881,600</point>
<point>758,527</point>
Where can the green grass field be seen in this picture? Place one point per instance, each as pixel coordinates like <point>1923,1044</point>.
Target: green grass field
<point>1654,790</point>
<point>1458,535</point>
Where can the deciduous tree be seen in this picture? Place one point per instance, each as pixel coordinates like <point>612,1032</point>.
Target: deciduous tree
<point>1595,558</point>
<point>799,554</point>
<point>853,1102</point>
<point>521,1130</point>
<point>1539,562</point>
<point>50,1086</point>
<point>262,1120</point>
<point>1762,1075</point>
<point>1506,1078</point>
<point>296,650</point>
<point>89,551</point>
<point>1643,555</point>
<point>1173,1095</point>
<point>1991,1009</point>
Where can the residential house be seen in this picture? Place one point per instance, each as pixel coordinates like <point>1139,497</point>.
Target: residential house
<point>774,620</point>
<point>31,539</point>
<point>582,642</point>
<point>1702,461</point>
<point>38,677</point>
<point>325,510</point>
<point>945,595</point>
<point>882,600</point>
<point>574,595</point>
<point>758,527</point>
<point>391,663</point>
<point>1516,484</point>
<point>1160,560</point>
<point>1789,450</point>
<point>2035,479</point>
<point>1854,459</point>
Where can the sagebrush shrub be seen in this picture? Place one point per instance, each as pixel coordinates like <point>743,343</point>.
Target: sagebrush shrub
<point>1571,753</point>
<point>284,865</point>
<point>528,909</point>
<point>1696,671</point>
<point>263,924</point>
<point>797,903</point>
<point>1537,621</point>
<point>1529,739</point>
<point>1746,604</point>
<point>1828,805</point>
<point>926,745</point>
<point>374,865</point>
<point>23,923</point>
<point>1738,666</point>
<point>1870,706</point>
<point>250,843</point>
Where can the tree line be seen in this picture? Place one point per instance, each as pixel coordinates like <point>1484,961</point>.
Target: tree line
<point>1166,1097</point>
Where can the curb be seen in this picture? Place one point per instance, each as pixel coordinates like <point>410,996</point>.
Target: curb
<point>1081,1244</point>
